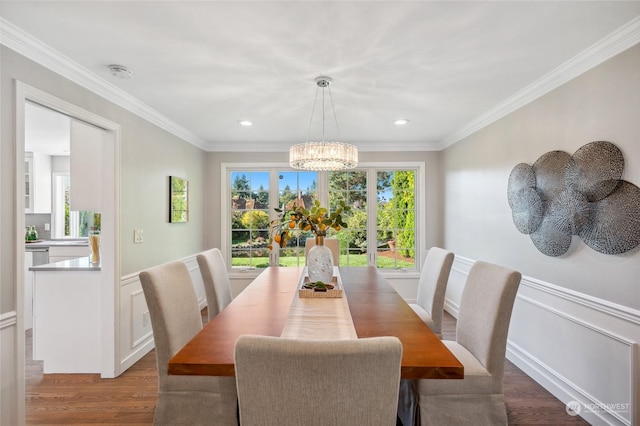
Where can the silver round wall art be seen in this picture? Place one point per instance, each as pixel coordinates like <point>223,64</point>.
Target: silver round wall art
<point>521,177</point>
<point>614,226</point>
<point>527,210</point>
<point>549,240</point>
<point>549,170</point>
<point>595,169</point>
<point>569,212</point>
<point>580,194</point>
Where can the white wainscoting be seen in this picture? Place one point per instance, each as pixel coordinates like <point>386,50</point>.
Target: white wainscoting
<point>136,336</point>
<point>12,409</point>
<point>578,347</point>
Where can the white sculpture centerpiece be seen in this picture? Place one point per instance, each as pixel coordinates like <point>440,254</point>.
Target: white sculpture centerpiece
<point>317,220</point>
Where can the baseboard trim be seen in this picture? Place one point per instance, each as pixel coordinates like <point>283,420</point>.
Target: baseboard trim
<point>563,389</point>
<point>137,354</point>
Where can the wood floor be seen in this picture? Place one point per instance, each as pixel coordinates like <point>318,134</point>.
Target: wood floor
<point>86,399</point>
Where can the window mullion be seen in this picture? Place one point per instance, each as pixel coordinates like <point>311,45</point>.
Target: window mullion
<point>372,214</point>
<point>274,196</point>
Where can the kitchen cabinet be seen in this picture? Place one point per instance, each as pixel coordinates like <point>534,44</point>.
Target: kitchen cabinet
<point>62,252</point>
<point>37,181</point>
<point>28,290</point>
<point>67,320</point>
<point>87,143</point>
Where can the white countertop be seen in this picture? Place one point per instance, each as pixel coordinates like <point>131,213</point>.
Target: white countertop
<point>78,264</point>
<point>61,243</point>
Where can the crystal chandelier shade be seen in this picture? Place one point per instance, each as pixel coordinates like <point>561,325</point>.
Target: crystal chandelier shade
<point>323,155</point>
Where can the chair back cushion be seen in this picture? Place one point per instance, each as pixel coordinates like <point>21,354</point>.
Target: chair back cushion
<point>215,278</point>
<point>432,285</point>
<point>485,312</point>
<point>317,382</point>
<point>173,309</point>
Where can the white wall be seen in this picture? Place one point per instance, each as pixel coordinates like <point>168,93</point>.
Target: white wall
<point>577,316</point>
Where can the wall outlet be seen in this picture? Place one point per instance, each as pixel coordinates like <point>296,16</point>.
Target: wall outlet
<point>47,227</point>
<point>145,319</point>
<point>137,236</point>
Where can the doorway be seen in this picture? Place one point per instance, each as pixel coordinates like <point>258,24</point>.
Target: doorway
<point>109,186</point>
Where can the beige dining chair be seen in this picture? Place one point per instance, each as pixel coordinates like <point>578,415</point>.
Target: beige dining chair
<point>284,382</point>
<point>217,286</point>
<point>432,287</point>
<point>175,319</point>
<point>332,243</point>
<point>480,345</point>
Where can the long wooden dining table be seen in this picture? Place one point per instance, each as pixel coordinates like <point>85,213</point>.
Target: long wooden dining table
<point>376,309</point>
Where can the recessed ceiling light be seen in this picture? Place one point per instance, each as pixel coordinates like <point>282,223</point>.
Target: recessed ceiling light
<point>401,122</point>
<point>245,123</point>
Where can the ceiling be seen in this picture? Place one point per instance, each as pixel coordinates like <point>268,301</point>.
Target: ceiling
<point>200,67</point>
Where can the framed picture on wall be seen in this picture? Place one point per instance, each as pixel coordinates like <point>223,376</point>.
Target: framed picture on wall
<point>178,200</point>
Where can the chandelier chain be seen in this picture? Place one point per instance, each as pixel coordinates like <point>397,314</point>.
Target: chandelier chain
<point>335,117</point>
<point>313,110</point>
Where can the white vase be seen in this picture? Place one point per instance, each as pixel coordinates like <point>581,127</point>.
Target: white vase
<point>320,262</point>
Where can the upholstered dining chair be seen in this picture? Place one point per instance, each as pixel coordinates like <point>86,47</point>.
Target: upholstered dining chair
<point>217,286</point>
<point>332,243</point>
<point>284,382</point>
<point>432,287</point>
<point>480,345</point>
<point>175,319</point>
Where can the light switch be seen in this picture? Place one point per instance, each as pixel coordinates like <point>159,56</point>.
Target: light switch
<point>137,236</point>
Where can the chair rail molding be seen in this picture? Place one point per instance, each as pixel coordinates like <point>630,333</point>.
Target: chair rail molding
<point>8,319</point>
<point>579,347</point>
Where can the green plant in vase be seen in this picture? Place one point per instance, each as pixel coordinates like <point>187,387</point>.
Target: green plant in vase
<point>318,220</point>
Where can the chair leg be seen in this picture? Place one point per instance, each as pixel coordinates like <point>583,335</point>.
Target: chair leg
<point>408,407</point>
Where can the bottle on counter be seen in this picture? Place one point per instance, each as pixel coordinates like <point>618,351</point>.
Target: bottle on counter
<point>32,234</point>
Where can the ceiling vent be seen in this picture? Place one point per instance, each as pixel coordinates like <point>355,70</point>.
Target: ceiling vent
<point>120,71</point>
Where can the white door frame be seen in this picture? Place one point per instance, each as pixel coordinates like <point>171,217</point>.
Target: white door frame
<point>110,299</point>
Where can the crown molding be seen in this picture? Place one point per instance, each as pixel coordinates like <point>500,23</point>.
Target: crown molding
<point>618,41</point>
<point>25,44</point>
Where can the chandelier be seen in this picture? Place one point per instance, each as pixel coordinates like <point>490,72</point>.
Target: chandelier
<point>323,155</point>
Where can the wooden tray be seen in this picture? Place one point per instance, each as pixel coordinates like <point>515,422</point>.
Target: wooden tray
<point>336,291</point>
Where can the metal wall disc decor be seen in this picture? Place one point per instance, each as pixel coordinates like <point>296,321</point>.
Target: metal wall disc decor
<point>527,210</point>
<point>550,174</point>
<point>521,176</point>
<point>549,240</point>
<point>614,226</point>
<point>569,212</point>
<point>579,194</point>
<point>595,169</point>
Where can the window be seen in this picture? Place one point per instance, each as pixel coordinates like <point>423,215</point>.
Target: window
<point>382,227</point>
<point>351,187</point>
<point>68,223</point>
<point>396,225</point>
<point>300,188</point>
<point>250,219</point>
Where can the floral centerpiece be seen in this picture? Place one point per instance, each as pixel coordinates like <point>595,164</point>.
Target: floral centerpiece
<point>318,221</point>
